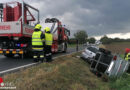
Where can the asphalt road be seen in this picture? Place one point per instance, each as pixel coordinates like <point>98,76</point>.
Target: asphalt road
<point>9,63</point>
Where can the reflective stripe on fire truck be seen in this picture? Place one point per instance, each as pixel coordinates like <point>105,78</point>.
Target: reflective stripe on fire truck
<point>13,51</point>
<point>7,52</point>
<point>1,52</point>
<point>20,52</point>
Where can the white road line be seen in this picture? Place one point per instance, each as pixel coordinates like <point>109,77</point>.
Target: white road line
<point>2,72</point>
<point>24,66</point>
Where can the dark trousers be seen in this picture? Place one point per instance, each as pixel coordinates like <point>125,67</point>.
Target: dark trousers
<point>125,55</point>
<point>38,56</point>
<point>48,53</point>
<point>128,71</point>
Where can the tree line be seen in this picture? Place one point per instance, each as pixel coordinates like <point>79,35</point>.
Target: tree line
<point>106,40</point>
<point>82,38</point>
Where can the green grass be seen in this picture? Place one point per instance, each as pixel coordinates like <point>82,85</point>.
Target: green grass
<point>120,43</point>
<point>122,56</point>
<point>71,45</point>
<point>74,45</point>
<point>121,83</point>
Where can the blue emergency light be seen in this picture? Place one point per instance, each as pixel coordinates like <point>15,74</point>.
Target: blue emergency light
<point>18,45</point>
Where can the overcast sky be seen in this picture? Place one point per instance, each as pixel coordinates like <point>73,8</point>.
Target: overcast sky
<point>96,17</point>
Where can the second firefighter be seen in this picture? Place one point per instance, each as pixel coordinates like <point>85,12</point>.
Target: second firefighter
<point>48,44</point>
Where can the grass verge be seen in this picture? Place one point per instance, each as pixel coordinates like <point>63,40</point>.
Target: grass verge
<point>121,83</point>
<point>64,73</point>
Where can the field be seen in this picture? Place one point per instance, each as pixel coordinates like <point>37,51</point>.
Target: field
<point>117,47</point>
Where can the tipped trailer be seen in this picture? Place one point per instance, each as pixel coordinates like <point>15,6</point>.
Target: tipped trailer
<point>108,64</point>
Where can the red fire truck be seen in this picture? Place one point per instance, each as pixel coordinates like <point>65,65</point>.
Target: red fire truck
<point>60,35</point>
<point>16,27</point>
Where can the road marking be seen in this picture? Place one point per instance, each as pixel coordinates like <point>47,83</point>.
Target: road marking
<point>28,65</point>
<point>2,72</point>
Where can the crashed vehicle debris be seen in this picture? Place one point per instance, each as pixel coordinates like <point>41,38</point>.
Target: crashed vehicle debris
<point>104,62</point>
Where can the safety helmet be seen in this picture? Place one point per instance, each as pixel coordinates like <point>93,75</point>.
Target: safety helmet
<point>47,29</point>
<point>38,26</point>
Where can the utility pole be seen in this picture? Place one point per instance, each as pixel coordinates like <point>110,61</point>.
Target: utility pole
<point>77,45</point>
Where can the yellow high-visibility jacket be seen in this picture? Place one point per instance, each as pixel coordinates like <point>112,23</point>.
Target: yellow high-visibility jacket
<point>48,38</point>
<point>37,42</point>
<point>127,57</point>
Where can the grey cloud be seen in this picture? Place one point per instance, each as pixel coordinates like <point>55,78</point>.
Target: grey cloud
<point>97,17</point>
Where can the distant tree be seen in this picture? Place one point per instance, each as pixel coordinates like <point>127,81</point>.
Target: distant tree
<point>81,36</point>
<point>119,40</point>
<point>91,40</point>
<point>106,40</point>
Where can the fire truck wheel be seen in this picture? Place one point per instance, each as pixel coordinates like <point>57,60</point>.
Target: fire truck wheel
<point>29,54</point>
<point>26,55</point>
<point>9,55</point>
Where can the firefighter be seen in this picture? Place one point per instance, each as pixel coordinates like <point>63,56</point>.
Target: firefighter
<point>48,44</point>
<point>127,58</point>
<point>38,43</point>
<point>127,50</point>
